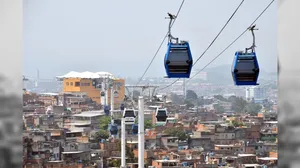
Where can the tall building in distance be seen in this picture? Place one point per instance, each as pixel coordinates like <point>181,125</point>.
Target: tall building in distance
<point>93,85</point>
<point>256,93</point>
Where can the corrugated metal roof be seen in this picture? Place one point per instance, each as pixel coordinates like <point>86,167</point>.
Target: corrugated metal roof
<point>87,75</point>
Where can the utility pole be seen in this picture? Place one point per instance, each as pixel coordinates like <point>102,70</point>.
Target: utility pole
<point>123,144</point>
<point>112,103</point>
<point>106,91</point>
<point>141,136</point>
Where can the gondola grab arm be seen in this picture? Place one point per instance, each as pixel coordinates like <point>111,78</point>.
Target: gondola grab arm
<point>252,28</point>
<point>171,17</point>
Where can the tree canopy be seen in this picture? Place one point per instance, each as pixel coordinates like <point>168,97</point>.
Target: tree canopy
<point>176,132</point>
<point>253,108</point>
<point>101,134</point>
<point>188,104</point>
<point>191,95</point>
<point>236,123</point>
<point>104,121</point>
<point>238,104</point>
<point>148,124</point>
<point>219,108</point>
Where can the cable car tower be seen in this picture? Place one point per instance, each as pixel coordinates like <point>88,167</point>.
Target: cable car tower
<point>245,68</point>
<point>178,59</point>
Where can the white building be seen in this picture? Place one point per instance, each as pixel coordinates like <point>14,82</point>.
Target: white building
<point>255,93</point>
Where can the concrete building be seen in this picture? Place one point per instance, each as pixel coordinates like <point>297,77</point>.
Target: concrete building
<point>92,84</point>
<point>255,93</point>
<point>86,121</point>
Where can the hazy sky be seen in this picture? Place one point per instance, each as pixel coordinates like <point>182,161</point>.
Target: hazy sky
<point>121,37</point>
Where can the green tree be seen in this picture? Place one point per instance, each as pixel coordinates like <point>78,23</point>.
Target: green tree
<point>101,134</point>
<point>188,104</point>
<point>191,95</point>
<point>253,108</point>
<point>176,132</point>
<point>114,163</point>
<point>219,108</point>
<point>238,104</point>
<point>236,123</point>
<point>148,124</point>
<point>104,121</point>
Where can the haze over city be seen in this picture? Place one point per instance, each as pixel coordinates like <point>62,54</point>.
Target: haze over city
<point>122,37</point>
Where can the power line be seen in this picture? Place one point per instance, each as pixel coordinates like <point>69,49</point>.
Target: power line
<point>161,44</point>
<point>233,40</point>
<point>211,42</point>
<point>219,32</point>
<point>169,85</point>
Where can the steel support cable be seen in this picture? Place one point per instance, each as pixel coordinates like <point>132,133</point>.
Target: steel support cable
<point>226,47</point>
<point>210,43</point>
<point>160,44</point>
<point>219,32</point>
<point>233,40</point>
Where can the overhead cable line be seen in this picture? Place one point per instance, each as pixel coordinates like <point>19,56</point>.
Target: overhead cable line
<point>233,40</point>
<point>160,44</point>
<point>210,43</point>
<point>226,47</point>
<point>219,32</point>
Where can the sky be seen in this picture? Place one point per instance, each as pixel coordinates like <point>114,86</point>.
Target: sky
<point>121,37</point>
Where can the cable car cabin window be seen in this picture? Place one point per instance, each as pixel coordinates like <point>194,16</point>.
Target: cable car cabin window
<point>129,113</point>
<point>245,69</point>
<point>178,60</point>
<point>245,66</point>
<point>161,113</point>
<point>117,122</point>
<point>179,55</point>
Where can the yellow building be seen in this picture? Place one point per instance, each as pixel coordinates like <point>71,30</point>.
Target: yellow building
<point>83,82</point>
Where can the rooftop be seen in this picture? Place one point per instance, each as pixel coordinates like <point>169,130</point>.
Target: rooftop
<point>87,75</point>
<point>90,114</point>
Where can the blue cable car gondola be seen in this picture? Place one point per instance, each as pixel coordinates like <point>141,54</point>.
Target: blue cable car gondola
<point>245,68</point>
<point>178,59</point>
<point>106,110</point>
<point>135,129</point>
<point>122,107</point>
<point>113,129</point>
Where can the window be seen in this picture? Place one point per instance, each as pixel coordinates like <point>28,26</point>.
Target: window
<point>180,55</point>
<point>245,65</point>
<point>67,83</point>
<point>77,84</point>
<point>85,84</point>
<point>71,83</point>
